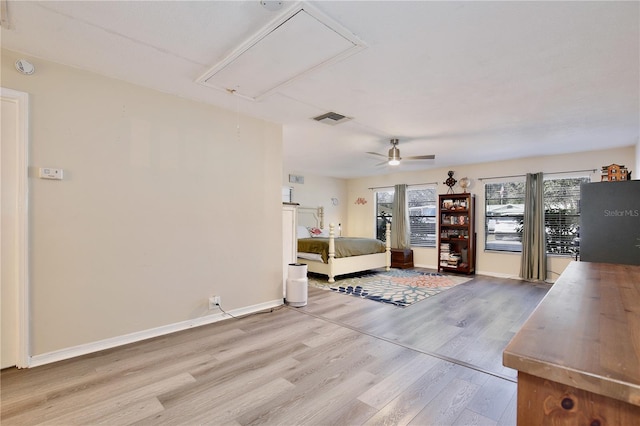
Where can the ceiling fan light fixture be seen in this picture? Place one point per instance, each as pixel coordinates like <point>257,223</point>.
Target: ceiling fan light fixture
<point>394,156</point>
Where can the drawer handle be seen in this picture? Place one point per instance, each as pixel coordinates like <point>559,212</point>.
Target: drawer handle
<point>567,403</point>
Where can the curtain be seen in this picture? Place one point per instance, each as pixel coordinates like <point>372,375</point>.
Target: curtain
<point>400,231</point>
<point>533,264</point>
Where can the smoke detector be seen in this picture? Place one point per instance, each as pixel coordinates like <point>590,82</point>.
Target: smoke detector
<point>25,67</point>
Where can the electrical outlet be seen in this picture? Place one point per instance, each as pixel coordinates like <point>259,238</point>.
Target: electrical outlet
<point>214,301</point>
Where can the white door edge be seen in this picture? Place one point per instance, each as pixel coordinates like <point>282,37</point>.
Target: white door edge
<point>21,100</point>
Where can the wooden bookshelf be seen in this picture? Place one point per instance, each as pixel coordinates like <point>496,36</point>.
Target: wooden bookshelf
<point>456,233</point>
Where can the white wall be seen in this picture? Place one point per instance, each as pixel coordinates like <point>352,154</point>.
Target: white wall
<point>318,191</point>
<point>159,199</point>
<point>362,222</point>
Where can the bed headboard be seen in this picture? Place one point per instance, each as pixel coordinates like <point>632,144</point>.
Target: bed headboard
<point>311,216</point>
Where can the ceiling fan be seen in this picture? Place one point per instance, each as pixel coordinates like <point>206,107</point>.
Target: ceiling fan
<point>393,158</point>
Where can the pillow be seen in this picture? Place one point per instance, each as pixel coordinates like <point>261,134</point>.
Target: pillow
<point>318,233</point>
<point>302,232</point>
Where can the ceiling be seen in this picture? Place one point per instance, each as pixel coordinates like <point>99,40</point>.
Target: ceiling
<point>469,82</point>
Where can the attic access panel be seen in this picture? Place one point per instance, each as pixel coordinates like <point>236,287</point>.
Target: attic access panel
<point>299,42</point>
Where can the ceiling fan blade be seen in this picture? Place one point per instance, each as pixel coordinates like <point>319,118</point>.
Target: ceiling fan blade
<point>375,153</point>
<point>420,157</point>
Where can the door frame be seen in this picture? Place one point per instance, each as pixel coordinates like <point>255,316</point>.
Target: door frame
<point>21,99</point>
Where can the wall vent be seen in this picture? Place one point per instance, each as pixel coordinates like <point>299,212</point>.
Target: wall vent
<point>331,118</point>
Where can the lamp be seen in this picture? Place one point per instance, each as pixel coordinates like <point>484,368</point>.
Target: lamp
<point>394,156</point>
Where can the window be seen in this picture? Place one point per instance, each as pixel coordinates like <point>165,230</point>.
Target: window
<point>562,214</point>
<point>504,214</point>
<point>384,206</point>
<point>422,201</point>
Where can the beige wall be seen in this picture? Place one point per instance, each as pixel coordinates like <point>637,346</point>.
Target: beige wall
<point>361,216</point>
<point>158,200</point>
<point>318,191</point>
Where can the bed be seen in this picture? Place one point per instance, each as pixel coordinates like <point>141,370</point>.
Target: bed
<point>338,255</point>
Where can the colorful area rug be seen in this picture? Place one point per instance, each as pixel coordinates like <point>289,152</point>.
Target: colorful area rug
<point>398,287</point>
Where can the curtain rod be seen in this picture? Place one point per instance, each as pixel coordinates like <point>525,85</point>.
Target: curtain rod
<point>411,184</point>
<point>548,173</point>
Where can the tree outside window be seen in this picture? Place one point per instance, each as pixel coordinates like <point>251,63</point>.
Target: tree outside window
<point>384,203</point>
<point>422,202</point>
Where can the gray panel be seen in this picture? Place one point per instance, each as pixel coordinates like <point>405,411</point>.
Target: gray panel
<point>610,222</point>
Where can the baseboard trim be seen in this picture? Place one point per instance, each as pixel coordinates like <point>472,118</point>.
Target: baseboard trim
<point>499,275</point>
<point>486,273</point>
<point>425,266</point>
<point>76,351</point>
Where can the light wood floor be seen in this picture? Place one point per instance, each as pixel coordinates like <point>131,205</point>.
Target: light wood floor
<point>338,361</point>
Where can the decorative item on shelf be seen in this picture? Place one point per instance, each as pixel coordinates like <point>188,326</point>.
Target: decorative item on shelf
<point>614,173</point>
<point>454,259</point>
<point>450,182</point>
<point>464,183</point>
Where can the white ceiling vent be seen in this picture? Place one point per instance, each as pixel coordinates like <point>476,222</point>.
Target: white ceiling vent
<point>300,41</point>
<point>332,118</point>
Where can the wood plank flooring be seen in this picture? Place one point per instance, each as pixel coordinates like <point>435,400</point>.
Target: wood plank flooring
<point>339,360</point>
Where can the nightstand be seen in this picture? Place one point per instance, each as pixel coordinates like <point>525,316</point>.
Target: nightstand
<point>401,258</point>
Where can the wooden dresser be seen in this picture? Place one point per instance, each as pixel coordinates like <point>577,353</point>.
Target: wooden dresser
<point>578,354</point>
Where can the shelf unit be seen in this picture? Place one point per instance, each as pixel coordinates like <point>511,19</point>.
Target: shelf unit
<point>456,233</point>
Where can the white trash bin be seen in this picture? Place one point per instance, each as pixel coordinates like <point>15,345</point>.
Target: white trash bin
<point>297,285</point>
